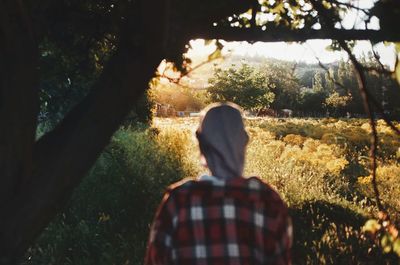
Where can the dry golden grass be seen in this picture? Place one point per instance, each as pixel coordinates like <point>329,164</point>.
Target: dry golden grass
<point>307,159</point>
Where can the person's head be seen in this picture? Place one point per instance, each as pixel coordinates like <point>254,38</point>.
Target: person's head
<point>223,139</point>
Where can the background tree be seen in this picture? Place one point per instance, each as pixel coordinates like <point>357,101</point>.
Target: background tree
<point>329,77</point>
<point>285,84</point>
<point>311,100</point>
<point>245,86</point>
<point>336,104</point>
<point>317,85</point>
<point>306,76</point>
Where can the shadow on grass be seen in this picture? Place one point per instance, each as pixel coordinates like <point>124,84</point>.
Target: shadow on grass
<point>327,233</point>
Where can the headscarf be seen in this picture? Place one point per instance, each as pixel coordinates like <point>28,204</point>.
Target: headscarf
<point>223,139</point>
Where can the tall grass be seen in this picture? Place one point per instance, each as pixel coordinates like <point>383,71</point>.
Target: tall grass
<point>107,220</point>
<point>320,167</point>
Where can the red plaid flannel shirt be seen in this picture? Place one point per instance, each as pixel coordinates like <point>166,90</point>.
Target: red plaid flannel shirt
<point>239,221</point>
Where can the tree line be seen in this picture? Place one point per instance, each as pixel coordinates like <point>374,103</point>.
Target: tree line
<point>306,89</point>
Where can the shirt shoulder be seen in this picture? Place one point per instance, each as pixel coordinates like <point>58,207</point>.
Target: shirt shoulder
<point>267,195</point>
<point>183,185</point>
<point>266,190</point>
<point>249,189</point>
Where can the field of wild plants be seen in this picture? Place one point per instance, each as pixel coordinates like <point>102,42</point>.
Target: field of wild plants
<point>312,159</point>
<point>319,166</point>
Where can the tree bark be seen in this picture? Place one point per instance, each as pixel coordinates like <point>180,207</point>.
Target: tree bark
<point>18,102</point>
<point>41,176</point>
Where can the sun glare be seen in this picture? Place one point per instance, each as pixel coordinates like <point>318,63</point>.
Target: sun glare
<point>310,51</point>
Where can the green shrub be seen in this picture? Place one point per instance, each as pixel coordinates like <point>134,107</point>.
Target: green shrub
<point>330,233</point>
<point>107,220</point>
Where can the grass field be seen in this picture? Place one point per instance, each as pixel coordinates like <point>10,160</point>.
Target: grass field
<point>309,159</point>
<point>319,166</point>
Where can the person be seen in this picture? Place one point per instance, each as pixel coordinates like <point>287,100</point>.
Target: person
<point>222,218</point>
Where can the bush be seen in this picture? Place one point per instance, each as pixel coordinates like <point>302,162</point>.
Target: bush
<point>107,220</point>
<point>388,180</point>
<point>330,233</point>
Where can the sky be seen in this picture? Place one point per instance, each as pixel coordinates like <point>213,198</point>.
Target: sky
<point>310,51</point>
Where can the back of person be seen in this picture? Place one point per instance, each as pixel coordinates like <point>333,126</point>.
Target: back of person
<point>224,218</point>
<point>239,221</point>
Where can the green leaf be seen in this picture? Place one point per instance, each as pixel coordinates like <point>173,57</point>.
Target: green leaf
<point>279,8</point>
<point>327,5</point>
<point>371,226</point>
<point>215,55</point>
<point>386,243</point>
<point>396,247</point>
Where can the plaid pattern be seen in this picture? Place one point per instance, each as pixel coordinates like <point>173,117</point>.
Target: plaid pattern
<point>238,222</point>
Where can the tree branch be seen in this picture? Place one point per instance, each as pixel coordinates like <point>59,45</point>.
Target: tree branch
<point>351,6</point>
<point>362,82</point>
<point>275,33</point>
<point>63,156</point>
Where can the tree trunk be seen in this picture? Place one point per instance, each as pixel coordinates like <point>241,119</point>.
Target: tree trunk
<point>37,178</point>
<point>18,104</point>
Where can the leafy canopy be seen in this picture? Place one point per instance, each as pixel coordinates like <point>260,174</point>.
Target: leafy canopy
<point>245,86</point>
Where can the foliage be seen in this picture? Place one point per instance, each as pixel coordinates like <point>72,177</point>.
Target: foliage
<point>315,165</point>
<point>62,85</point>
<point>80,38</point>
<point>317,84</point>
<point>245,86</point>
<point>311,102</point>
<point>142,112</point>
<point>318,166</point>
<point>336,103</point>
<point>77,42</point>
<point>387,179</point>
<point>307,89</point>
<point>107,220</point>
<point>285,84</point>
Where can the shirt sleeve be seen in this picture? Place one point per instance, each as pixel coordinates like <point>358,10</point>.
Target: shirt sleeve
<point>159,248</point>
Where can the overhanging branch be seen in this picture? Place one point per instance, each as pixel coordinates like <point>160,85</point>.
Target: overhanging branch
<point>275,34</point>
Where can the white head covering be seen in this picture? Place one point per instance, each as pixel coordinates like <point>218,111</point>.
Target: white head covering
<point>223,139</point>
